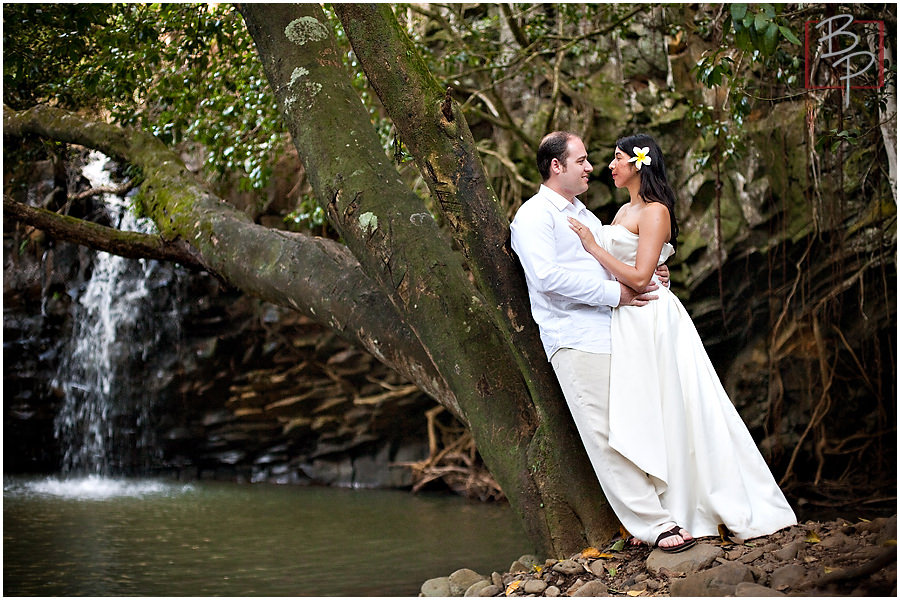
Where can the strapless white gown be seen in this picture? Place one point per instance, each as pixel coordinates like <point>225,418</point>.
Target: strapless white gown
<point>670,415</point>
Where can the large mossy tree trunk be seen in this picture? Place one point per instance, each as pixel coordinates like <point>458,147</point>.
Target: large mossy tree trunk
<point>480,336</point>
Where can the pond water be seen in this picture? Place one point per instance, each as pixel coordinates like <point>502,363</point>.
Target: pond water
<point>108,537</point>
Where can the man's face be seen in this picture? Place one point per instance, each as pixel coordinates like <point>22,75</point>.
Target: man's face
<point>572,177</point>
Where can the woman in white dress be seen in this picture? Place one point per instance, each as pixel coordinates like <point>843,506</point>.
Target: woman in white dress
<point>682,429</point>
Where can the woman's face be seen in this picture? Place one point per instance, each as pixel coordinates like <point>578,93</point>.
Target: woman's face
<point>623,172</point>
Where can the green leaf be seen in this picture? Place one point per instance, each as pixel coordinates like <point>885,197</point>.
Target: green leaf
<point>742,40</point>
<point>738,11</point>
<point>789,35</point>
<point>770,39</point>
<point>761,22</point>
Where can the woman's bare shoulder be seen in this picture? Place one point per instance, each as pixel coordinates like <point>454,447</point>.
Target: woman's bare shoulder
<point>654,210</point>
<point>655,218</point>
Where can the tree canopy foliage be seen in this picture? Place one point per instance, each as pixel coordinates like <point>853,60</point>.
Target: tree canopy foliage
<point>189,74</point>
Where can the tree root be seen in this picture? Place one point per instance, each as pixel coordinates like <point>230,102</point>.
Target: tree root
<point>888,556</point>
<point>454,461</point>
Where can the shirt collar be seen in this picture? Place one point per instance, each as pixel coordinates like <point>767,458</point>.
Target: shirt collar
<point>558,200</point>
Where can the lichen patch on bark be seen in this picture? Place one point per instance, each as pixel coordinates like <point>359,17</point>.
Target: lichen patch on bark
<point>298,73</point>
<point>305,29</point>
<point>368,221</point>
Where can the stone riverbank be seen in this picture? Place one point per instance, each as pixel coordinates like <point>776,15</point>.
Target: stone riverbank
<point>833,558</point>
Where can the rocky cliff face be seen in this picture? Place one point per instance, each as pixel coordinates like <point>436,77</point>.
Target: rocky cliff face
<point>241,389</point>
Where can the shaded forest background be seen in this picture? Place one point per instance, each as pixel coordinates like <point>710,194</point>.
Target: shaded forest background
<point>786,204</point>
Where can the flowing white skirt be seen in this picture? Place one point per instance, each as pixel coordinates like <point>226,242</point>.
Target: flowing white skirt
<point>670,415</point>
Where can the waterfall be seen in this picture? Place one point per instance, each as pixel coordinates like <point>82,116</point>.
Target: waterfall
<point>109,375</point>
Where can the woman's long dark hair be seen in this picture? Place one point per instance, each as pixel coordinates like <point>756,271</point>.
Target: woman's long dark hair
<point>654,183</point>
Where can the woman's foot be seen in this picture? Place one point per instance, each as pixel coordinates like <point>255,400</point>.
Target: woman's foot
<point>633,541</point>
<point>676,539</point>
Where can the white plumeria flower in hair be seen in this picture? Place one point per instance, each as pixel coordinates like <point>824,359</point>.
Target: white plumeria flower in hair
<point>640,157</point>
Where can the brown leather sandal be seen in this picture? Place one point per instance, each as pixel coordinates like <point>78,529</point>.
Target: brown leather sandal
<point>679,547</point>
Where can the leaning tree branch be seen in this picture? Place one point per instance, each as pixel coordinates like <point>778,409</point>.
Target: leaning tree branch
<point>129,244</point>
<point>316,276</point>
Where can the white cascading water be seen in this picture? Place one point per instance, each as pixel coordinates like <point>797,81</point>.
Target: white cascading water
<point>101,420</point>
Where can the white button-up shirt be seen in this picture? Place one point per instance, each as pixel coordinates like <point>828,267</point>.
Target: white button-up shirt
<point>571,293</point>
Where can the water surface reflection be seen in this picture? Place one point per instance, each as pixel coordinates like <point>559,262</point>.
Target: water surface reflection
<point>154,538</point>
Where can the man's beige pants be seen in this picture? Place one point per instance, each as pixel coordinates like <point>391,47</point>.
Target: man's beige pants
<point>584,379</point>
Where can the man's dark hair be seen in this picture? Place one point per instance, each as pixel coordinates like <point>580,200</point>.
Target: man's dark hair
<point>553,145</point>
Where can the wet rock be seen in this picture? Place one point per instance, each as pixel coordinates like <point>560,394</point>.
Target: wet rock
<point>732,555</point>
<point>524,564</point>
<point>597,567</point>
<point>497,579</point>
<point>789,552</point>
<point>751,556</point>
<point>887,530</point>
<point>217,417</point>
<point>754,590</point>
<point>517,567</point>
<point>568,567</point>
<point>638,587</point>
<point>838,541</point>
<point>718,581</point>
<point>462,579</point>
<point>436,588</point>
<point>786,577</point>
<point>691,560</point>
<point>330,472</point>
<point>475,589</point>
<point>529,560</point>
<point>570,591</point>
<point>591,588</point>
<point>759,574</point>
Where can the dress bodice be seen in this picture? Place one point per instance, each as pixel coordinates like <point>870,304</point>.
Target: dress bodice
<point>622,243</point>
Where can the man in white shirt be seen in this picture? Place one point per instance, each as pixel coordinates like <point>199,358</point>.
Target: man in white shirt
<point>572,295</point>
